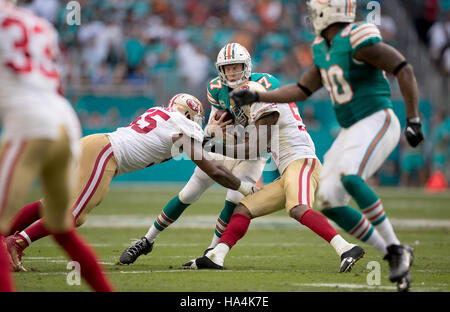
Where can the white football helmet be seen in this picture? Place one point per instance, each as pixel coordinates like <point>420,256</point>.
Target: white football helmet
<point>234,53</point>
<point>326,12</point>
<point>189,106</point>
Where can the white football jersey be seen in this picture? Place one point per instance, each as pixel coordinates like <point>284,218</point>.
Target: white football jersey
<point>291,141</point>
<point>31,104</point>
<point>28,50</point>
<point>148,140</point>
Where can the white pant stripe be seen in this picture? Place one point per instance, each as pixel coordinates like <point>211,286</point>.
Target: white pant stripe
<point>93,183</point>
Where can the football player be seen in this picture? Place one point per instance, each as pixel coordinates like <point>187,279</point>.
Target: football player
<point>350,60</point>
<point>294,153</point>
<point>158,135</point>
<point>40,138</point>
<point>234,66</point>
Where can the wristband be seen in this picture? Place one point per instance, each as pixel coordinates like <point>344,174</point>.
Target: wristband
<point>414,120</point>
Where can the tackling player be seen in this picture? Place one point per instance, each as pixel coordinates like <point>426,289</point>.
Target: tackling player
<point>350,60</point>
<point>156,136</point>
<point>294,153</point>
<point>234,66</point>
<point>40,138</point>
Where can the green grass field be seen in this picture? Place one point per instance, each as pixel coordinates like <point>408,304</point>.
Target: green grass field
<point>276,255</point>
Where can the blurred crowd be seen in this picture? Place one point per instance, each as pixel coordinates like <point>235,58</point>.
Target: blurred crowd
<point>141,42</point>
<point>134,41</point>
<point>432,21</point>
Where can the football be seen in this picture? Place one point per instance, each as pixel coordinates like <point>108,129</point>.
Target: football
<point>220,112</point>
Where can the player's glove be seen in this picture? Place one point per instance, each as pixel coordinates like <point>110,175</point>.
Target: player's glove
<point>413,131</point>
<point>244,97</point>
<point>247,188</point>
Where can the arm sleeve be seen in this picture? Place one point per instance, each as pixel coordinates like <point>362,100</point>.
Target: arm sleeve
<point>364,35</point>
<point>211,99</point>
<point>190,129</point>
<point>259,109</point>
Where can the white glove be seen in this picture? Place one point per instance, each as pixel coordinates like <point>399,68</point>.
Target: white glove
<point>247,188</point>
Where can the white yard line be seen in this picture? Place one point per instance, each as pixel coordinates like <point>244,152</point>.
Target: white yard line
<point>209,221</point>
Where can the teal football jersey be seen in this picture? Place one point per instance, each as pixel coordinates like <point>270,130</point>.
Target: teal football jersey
<point>218,94</point>
<point>357,89</point>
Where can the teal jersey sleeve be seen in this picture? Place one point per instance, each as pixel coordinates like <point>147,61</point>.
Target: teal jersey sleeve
<point>268,81</point>
<point>213,90</point>
<point>363,35</point>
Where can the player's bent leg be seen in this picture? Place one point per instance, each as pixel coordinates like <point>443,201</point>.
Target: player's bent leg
<point>58,191</point>
<point>214,259</point>
<point>96,169</point>
<point>20,163</point>
<point>231,201</point>
<point>191,192</point>
<point>26,216</point>
<point>332,201</point>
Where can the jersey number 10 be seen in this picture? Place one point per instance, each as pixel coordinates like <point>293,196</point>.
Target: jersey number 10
<point>340,90</point>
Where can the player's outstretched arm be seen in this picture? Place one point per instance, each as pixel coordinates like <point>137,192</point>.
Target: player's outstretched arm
<point>263,134</point>
<point>215,171</point>
<point>389,59</point>
<point>310,82</point>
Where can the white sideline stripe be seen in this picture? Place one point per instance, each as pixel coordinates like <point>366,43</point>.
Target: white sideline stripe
<point>209,222</point>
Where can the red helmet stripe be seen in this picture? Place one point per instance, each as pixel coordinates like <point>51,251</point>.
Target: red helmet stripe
<point>172,100</point>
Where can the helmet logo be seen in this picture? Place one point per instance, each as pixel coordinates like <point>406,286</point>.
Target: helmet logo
<point>193,105</point>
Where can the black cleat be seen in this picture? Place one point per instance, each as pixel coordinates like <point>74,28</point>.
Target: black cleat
<point>349,258</point>
<point>404,283</point>
<point>202,263</point>
<point>206,250</point>
<point>400,258</point>
<point>141,247</point>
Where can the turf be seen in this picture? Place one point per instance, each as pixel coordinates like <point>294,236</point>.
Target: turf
<point>279,257</point>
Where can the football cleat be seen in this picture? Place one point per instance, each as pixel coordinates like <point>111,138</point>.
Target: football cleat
<point>15,244</point>
<point>140,247</point>
<point>349,258</point>
<point>206,250</point>
<point>400,258</point>
<point>202,263</point>
<point>404,283</point>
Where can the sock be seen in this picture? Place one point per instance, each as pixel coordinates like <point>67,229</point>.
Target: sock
<point>79,251</point>
<point>357,225</point>
<point>6,282</point>
<point>222,222</point>
<point>25,217</point>
<point>218,254</point>
<point>34,232</point>
<point>170,213</point>
<point>371,207</point>
<point>340,245</point>
<point>318,224</point>
<point>235,230</point>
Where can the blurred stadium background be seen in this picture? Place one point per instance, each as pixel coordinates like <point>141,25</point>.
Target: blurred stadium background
<point>129,55</point>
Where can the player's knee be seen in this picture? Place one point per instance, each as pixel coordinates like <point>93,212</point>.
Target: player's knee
<point>241,209</point>
<point>351,182</point>
<point>331,194</point>
<point>81,220</point>
<point>234,196</point>
<point>297,212</point>
<point>192,191</point>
